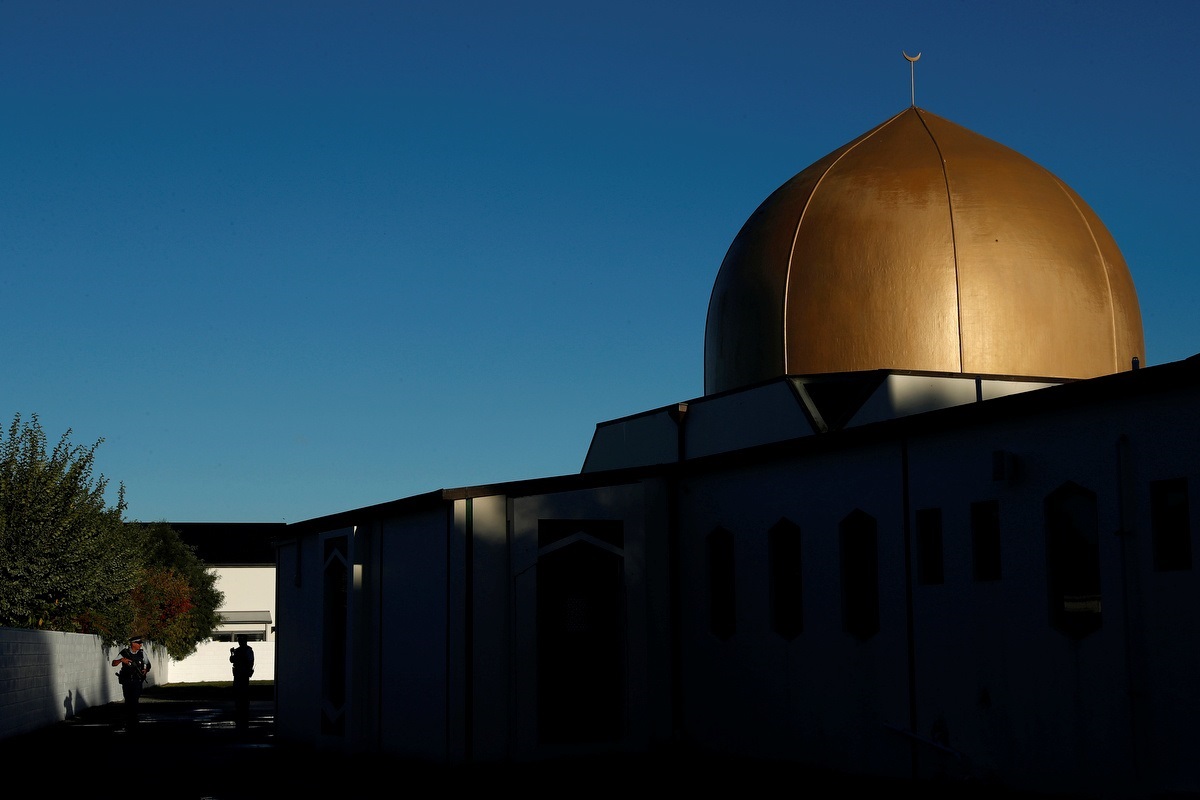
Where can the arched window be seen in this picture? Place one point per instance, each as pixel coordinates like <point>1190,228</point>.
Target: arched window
<point>786,583</point>
<point>857,536</point>
<point>1170,524</point>
<point>1073,560</point>
<point>930,570</point>
<point>985,540</point>
<point>722,618</point>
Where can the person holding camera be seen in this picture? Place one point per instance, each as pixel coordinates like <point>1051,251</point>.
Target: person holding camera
<point>242,658</point>
<point>134,665</point>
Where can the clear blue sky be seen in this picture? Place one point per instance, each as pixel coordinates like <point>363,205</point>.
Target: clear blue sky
<point>292,258</point>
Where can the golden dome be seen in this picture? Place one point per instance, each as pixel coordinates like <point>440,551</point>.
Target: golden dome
<point>921,245</point>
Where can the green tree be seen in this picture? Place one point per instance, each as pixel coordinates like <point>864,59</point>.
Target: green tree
<point>69,561</point>
<point>62,552</point>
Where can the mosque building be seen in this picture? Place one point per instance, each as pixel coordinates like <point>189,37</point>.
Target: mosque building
<point>929,520</point>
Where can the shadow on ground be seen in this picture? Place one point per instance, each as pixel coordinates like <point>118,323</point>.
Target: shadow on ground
<point>186,745</point>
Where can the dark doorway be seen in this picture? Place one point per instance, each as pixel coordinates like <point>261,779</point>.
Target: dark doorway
<point>581,632</point>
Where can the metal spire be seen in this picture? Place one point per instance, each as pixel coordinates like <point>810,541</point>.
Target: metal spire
<point>912,76</point>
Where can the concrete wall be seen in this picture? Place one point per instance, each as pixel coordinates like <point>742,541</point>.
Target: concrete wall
<point>49,676</point>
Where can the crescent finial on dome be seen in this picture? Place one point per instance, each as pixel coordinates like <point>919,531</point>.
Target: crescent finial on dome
<point>912,77</point>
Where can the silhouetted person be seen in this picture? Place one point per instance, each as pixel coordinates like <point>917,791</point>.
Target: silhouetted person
<point>134,665</point>
<point>242,658</point>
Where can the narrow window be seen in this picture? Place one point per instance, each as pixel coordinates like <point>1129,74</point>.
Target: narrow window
<point>1170,524</point>
<point>1073,560</point>
<point>985,540</point>
<point>786,581</point>
<point>860,574</point>
<point>929,547</point>
<point>721,610</point>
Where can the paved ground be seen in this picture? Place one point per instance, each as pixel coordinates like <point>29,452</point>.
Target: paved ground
<point>187,746</point>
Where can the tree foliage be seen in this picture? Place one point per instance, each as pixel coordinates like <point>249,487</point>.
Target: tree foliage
<point>70,562</point>
<point>175,603</point>
<point>61,545</point>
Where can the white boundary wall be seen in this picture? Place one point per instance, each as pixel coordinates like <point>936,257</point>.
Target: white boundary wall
<point>210,662</point>
<point>246,589</point>
<point>50,676</point>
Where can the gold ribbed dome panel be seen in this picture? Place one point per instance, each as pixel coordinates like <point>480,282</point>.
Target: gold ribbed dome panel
<point>921,246</point>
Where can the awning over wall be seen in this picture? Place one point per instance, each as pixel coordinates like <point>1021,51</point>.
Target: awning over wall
<point>245,617</point>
